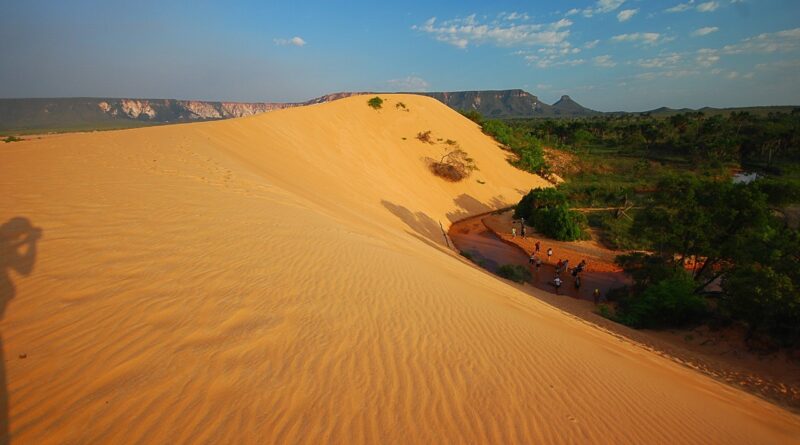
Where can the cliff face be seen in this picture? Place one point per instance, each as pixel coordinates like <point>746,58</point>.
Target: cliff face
<point>74,114</point>
<point>502,103</point>
<point>168,110</point>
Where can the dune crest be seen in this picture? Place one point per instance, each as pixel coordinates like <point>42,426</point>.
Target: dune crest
<point>282,278</point>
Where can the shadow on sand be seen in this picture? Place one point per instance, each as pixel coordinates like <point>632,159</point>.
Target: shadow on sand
<point>427,228</point>
<point>18,253</point>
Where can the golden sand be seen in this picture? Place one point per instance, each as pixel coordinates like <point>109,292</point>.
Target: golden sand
<point>282,278</point>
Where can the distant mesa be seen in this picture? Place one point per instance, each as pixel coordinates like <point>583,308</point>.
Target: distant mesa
<point>79,114</point>
<point>86,114</point>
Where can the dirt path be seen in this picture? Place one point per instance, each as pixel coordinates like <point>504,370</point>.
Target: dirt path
<point>488,240</point>
<point>720,354</point>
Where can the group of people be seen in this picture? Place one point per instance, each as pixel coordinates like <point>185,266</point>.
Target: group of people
<point>562,265</point>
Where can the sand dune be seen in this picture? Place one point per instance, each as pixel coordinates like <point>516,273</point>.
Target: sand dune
<point>282,279</point>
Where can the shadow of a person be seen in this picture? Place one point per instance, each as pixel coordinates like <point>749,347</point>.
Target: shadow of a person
<point>18,253</point>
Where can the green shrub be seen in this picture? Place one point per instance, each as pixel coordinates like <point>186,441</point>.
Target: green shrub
<point>547,211</point>
<point>766,300</point>
<point>467,255</point>
<point>472,115</point>
<point>514,272</point>
<point>376,102</point>
<point>605,311</point>
<point>530,158</point>
<point>672,302</point>
<point>11,139</point>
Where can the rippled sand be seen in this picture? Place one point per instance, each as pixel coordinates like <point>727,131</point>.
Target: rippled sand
<point>283,278</point>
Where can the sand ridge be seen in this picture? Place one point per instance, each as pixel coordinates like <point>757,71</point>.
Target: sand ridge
<point>282,278</point>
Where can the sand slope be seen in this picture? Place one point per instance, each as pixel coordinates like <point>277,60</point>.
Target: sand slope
<point>281,279</point>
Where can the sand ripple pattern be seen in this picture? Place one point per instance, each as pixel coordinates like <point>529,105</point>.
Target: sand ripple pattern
<point>279,279</point>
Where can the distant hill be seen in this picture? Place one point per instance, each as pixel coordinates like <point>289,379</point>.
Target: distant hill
<point>77,114</point>
<point>87,114</point>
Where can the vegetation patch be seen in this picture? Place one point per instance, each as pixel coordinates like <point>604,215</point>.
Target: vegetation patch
<point>514,272</point>
<point>425,136</point>
<point>376,103</point>
<point>454,165</point>
<point>548,211</point>
<point>8,139</point>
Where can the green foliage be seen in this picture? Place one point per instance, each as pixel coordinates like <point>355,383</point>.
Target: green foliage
<point>605,311</point>
<point>467,255</point>
<point>528,150</point>
<point>11,139</point>
<point>738,137</point>
<point>376,102</point>
<point>538,198</point>
<point>472,115</point>
<point>514,272</point>
<point>671,302</point>
<point>767,300</point>
<point>547,210</point>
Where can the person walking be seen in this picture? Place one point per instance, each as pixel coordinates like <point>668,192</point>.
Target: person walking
<point>532,258</point>
<point>537,246</point>
<point>577,282</point>
<point>596,295</point>
<point>513,232</point>
<point>559,265</point>
<point>549,253</point>
<point>557,283</point>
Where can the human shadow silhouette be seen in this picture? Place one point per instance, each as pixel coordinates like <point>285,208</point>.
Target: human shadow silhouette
<point>18,253</point>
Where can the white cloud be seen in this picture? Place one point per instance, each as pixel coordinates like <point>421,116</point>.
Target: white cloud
<point>512,16</point>
<point>707,57</point>
<point>590,45</point>
<point>648,38</point>
<point>705,31</point>
<point>295,41</point>
<point>661,61</point>
<point>572,11</point>
<point>781,41</point>
<point>409,84</point>
<point>608,5</point>
<point>549,57</point>
<point>732,75</point>
<point>602,7</point>
<point>681,7</point>
<point>671,74</point>
<point>461,32</point>
<point>604,61</point>
<point>708,6</point>
<point>626,14</point>
<point>701,7</point>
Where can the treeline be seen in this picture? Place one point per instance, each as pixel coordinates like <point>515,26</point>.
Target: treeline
<point>526,147</point>
<point>719,253</point>
<point>739,137</point>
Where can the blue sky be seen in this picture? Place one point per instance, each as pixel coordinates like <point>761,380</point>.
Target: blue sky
<point>606,54</point>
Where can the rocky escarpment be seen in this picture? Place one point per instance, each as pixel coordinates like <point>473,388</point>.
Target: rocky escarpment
<point>168,110</point>
<point>75,114</point>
